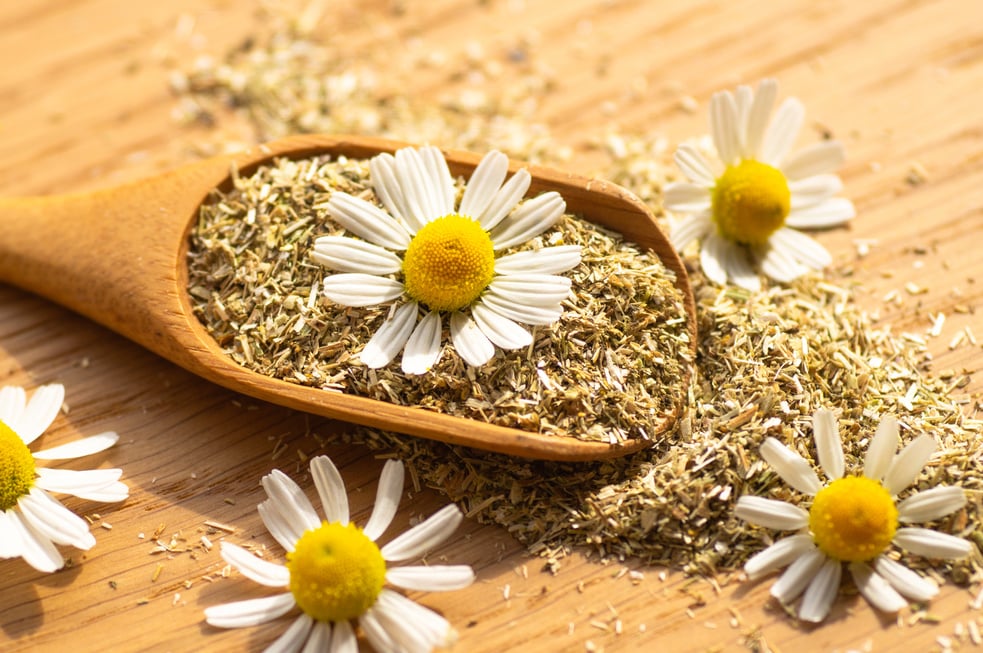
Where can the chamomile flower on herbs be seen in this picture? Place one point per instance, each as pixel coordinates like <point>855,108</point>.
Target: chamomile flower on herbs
<point>852,520</point>
<point>434,260</point>
<point>32,522</point>
<point>746,208</point>
<point>336,573</point>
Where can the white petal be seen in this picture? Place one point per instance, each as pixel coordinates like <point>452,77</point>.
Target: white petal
<point>832,212</point>
<point>382,171</point>
<point>357,289</point>
<point>771,513</point>
<point>915,586</point>
<point>249,613</point>
<point>391,337</point>
<point>734,260</point>
<point>694,165</point>
<point>412,627</point>
<point>820,158</point>
<point>723,127</point>
<point>40,412</point>
<point>712,254</point>
<point>743,97</point>
<point>422,349</point>
<point>880,451</point>
<point>532,315</point>
<point>813,190</point>
<point>36,549</point>
<point>12,402</point>
<point>531,289</point>
<point>433,578</point>
<point>343,638</point>
<point>829,447</point>
<point>685,231</point>
<point>931,504</point>
<point>821,592</point>
<point>485,181</point>
<point>876,589</point>
<point>548,260</point>
<point>367,221</point>
<point>780,554</point>
<point>797,577</point>
<point>79,448</point>
<point>469,342</point>
<point>532,218</point>
<point>293,638</point>
<point>793,468</point>
<point>802,248</point>
<point>776,264</point>
<point>319,638</point>
<point>344,254</point>
<point>93,484</point>
<point>423,194</point>
<point>782,132</point>
<point>278,526</point>
<point>506,199</point>
<point>499,329</point>
<point>440,186</point>
<point>686,198</point>
<point>387,497</point>
<point>331,490</point>
<point>757,120</point>
<point>287,499</point>
<point>376,632</point>
<point>931,544</point>
<point>424,536</point>
<point>10,535</point>
<point>908,464</point>
<point>256,569</point>
<point>54,521</point>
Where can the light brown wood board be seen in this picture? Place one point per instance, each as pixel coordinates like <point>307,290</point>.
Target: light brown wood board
<point>85,104</point>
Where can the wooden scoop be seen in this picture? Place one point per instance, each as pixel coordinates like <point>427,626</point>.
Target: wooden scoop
<point>118,256</point>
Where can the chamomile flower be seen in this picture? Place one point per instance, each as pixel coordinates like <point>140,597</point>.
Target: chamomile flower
<point>747,206</point>
<point>335,572</point>
<point>432,258</point>
<point>853,520</point>
<point>32,522</point>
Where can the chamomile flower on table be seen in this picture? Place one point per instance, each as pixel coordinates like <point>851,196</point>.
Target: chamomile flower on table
<point>746,206</point>
<point>853,520</point>
<point>432,260</point>
<point>336,574</point>
<point>32,521</point>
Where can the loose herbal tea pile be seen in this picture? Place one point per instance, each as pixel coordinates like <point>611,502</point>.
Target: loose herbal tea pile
<point>610,369</point>
<point>766,359</point>
<point>765,362</point>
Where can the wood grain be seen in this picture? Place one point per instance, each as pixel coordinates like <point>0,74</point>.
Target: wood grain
<point>84,104</point>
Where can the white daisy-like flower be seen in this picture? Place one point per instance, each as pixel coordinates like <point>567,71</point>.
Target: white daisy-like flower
<point>32,522</point>
<point>852,519</point>
<point>441,260</point>
<point>747,206</point>
<point>335,573</point>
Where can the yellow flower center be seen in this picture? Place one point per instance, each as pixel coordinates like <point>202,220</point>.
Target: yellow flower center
<point>448,263</point>
<point>336,572</point>
<point>16,468</point>
<point>750,202</point>
<point>853,519</point>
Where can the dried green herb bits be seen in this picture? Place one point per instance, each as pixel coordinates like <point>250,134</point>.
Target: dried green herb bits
<point>604,367</point>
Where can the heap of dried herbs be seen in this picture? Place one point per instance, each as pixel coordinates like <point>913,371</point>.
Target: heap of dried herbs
<point>611,369</point>
<point>765,363</point>
<point>766,360</point>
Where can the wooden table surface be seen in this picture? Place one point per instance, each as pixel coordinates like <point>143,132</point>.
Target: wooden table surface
<point>85,103</point>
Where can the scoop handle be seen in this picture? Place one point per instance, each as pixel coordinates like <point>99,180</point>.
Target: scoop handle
<point>111,255</point>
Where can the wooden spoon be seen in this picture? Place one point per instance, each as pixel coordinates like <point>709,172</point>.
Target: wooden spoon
<point>118,256</point>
